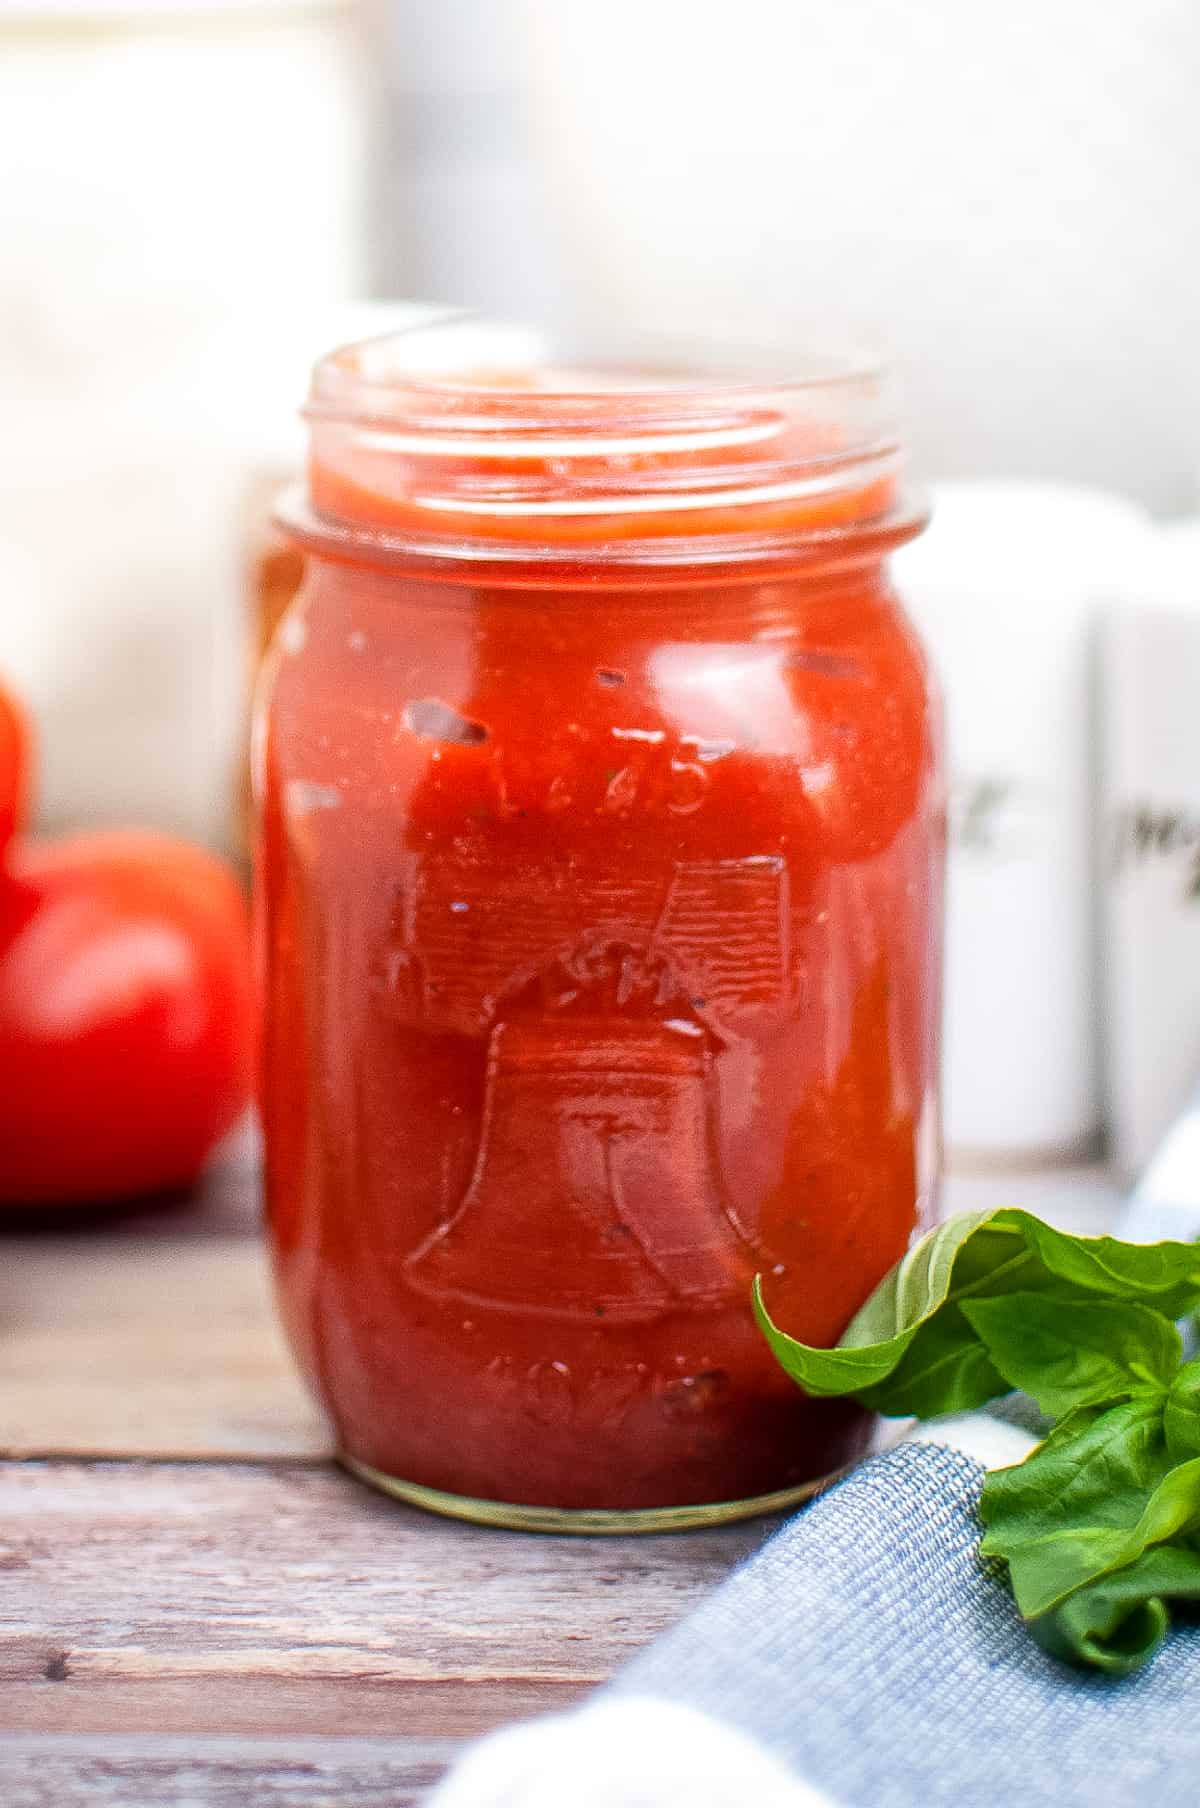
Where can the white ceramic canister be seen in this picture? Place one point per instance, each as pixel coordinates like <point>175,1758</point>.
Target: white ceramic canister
<point>1150,846</point>
<point>459,182</point>
<point>183,200</point>
<point>1006,588</point>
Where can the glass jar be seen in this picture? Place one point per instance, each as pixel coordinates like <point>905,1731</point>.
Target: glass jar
<point>599,879</point>
<point>270,562</point>
<point>273,567</point>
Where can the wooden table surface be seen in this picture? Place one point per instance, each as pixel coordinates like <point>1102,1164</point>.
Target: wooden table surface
<point>197,1608</point>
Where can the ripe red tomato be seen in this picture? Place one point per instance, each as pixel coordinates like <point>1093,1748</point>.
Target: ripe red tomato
<point>125,1016</point>
<point>14,765</point>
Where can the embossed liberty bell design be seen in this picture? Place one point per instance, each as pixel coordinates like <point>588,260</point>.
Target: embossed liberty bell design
<point>597,1139</point>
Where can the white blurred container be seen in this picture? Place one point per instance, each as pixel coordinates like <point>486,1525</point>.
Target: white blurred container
<point>182,203</point>
<point>1150,845</point>
<point>1006,587</point>
<point>1008,189</point>
<point>460,209</point>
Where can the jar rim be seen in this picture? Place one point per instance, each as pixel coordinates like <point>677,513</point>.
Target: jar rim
<point>463,434</point>
<point>380,374</point>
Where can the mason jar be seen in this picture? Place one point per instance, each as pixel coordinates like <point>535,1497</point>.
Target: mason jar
<point>599,883</point>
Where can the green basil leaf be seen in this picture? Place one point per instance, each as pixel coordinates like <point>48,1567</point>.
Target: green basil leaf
<point>1117,1625</point>
<point>1097,1468</point>
<point>919,1283</point>
<point>1045,1571</point>
<point>1072,1424</point>
<point>1173,1508</point>
<point>934,1367</point>
<point>910,1350</point>
<point>1094,1528</point>
<point>1068,1353</point>
<point>824,1372</point>
<point>1181,1415</point>
<point>947,1373</point>
<point>944,1370</point>
<point>1100,1527</point>
<point>1163,1275</point>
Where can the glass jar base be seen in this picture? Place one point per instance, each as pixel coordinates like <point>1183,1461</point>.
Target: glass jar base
<point>583,1521</point>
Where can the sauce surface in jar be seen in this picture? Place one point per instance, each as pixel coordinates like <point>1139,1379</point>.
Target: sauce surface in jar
<point>599,882</point>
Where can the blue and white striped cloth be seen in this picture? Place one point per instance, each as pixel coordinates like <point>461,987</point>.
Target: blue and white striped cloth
<point>864,1658</point>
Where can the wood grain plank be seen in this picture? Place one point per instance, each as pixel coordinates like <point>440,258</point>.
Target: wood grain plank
<point>245,1703</point>
<point>116,1771</point>
<point>124,1344</point>
<point>150,1333</point>
<point>205,1601</point>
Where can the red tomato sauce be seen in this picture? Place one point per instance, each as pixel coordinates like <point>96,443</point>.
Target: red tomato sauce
<point>600,903</point>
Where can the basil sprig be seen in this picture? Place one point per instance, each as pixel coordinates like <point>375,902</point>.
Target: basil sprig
<point>1099,1528</point>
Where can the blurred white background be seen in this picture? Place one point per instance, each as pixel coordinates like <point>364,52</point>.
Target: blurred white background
<point>194,191</point>
<point>1006,192</point>
<point>181,190</point>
